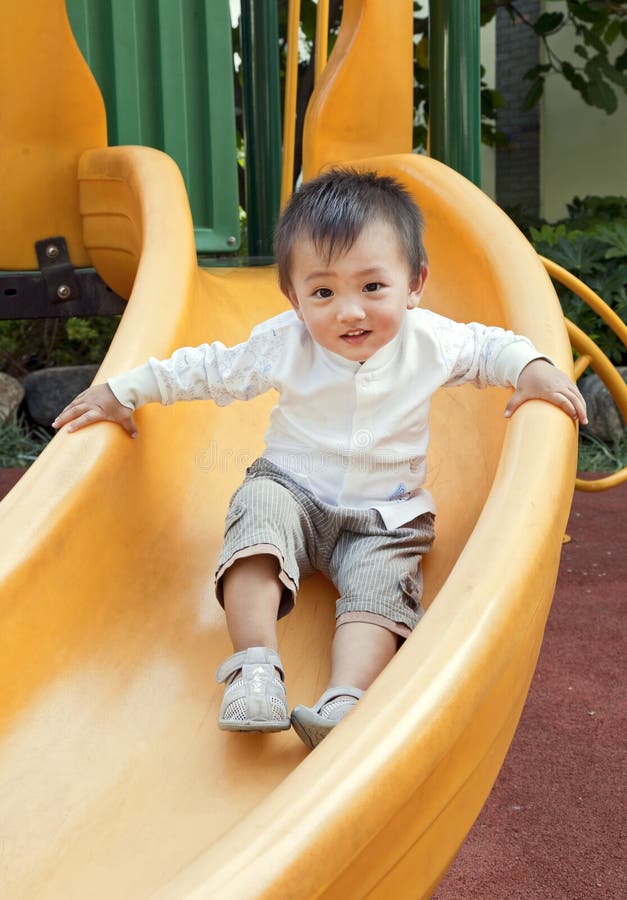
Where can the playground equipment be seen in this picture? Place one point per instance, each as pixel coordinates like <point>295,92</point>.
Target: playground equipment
<point>591,355</point>
<point>114,780</point>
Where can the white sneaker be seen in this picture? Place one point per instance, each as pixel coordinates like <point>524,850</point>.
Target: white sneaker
<point>254,696</point>
<point>313,723</point>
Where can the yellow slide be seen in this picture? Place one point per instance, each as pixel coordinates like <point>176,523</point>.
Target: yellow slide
<point>114,779</point>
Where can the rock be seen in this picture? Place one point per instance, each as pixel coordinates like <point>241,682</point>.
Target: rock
<point>604,419</point>
<point>48,391</point>
<point>11,395</point>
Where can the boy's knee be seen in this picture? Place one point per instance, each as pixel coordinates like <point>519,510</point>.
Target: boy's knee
<point>263,499</point>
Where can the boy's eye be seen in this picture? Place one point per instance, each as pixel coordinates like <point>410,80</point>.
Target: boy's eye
<point>372,286</point>
<point>323,293</point>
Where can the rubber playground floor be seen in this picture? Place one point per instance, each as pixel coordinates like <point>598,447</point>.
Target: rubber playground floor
<point>553,827</point>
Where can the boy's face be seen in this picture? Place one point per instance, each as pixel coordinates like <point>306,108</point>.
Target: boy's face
<point>356,303</point>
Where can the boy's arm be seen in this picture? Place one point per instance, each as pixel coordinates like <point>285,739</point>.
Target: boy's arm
<point>97,404</point>
<point>540,380</point>
<point>114,401</point>
<point>488,355</point>
<point>208,372</point>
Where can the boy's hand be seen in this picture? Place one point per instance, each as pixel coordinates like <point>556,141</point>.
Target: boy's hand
<point>97,404</point>
<point>540,380</point>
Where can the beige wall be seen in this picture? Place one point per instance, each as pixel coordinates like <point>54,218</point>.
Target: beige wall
<point>583,150</point>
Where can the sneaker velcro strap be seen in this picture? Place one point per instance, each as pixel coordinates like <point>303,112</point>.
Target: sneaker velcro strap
<point>253,655</point>
<point>335,692</point>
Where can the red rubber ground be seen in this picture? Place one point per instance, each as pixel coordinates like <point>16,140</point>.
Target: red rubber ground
<point>554,824</point>
<point>553,827</point>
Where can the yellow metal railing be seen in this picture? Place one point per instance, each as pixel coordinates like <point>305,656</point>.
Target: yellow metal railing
<point>588,296</point>
<point>291,83</point>
<point>593,356</point>
<point>322,38</point>
<point>289,103</point>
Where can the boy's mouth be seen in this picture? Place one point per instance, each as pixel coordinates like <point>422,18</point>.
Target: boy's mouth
<point>355,336</point>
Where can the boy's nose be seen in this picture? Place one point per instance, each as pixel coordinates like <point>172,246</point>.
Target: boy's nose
<point>351,312</point>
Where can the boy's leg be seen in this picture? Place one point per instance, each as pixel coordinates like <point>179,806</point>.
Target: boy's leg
<point>254,696</point>
<point>263,555</point>
<point>361,651</point>
<point>252,593</point>
<point>378,575</point>
<point>256,582</point>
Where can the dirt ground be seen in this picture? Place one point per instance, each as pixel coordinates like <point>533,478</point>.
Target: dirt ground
<point>553,827</point>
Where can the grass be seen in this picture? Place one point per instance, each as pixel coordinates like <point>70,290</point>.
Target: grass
<point>597,456</point>
<point>20,445</point>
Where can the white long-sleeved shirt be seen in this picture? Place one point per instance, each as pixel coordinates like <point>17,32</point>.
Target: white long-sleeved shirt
<point>356,434</point>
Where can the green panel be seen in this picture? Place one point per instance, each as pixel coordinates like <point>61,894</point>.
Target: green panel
<point>165,70</point>
<point>454,86</point>
<point>262,122</point>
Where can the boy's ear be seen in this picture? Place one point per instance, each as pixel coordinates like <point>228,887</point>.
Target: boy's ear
<point>291,296</point>
<point>416,287</point>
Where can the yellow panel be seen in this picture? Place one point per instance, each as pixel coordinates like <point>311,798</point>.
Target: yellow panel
<point>362,104</point>
<point>114,779</point>
<point>51,111</point>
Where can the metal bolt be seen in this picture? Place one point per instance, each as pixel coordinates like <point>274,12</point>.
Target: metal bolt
<point>64,291</point>
<point>231,240</point>
<point>52,251</point>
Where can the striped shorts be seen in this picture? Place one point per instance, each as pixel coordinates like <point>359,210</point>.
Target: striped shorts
<point>376,570</point>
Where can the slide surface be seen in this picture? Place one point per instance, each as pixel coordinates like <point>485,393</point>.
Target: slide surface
<point>114,779</point>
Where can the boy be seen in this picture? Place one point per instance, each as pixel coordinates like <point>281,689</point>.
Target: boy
<point>338,488</point>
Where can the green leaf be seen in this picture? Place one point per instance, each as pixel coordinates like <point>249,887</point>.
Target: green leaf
<point>308,20</point>
<point>611,72</point>
<point>612,282</point>
<point>593,40</point>
<point>616,76</point>
<point>621,61</point>
<point>600,94</point>
<point>487,11</point>
<point>611,32</point>
<point>498,100</point>
<point>583,11</point>
<point>533,94</point>
<point>575,78</point>
<point>548,22</point>
<point>580,50</point>
<point>547,234</point>
<point>421,53</point>
<point>582,254</point>
<point>616,236</point>
<point>607,208</point>
<point>537,70</point>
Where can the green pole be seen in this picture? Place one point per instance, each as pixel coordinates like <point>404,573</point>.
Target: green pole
<point>454,85</point>
<point>262,121</point>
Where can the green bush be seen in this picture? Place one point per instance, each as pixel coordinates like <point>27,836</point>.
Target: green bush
<point>20,444</point>
<point>591,242</point>
<point>29,344</point>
